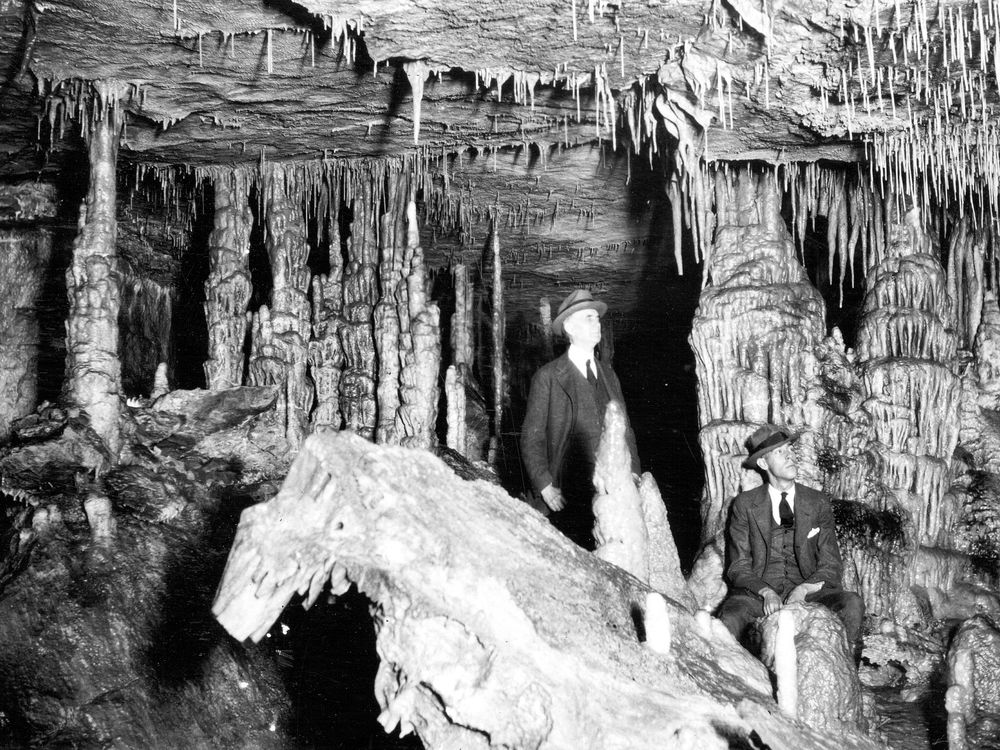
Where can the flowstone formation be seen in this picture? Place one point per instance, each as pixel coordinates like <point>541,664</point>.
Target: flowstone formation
<point>973,697</point>
<point>754,336</point>
<point>493,629</point>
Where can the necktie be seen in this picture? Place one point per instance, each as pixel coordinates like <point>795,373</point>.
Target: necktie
<point>591,375</point>
<point>785,512</point>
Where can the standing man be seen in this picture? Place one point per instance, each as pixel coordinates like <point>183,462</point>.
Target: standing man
<point>565,418</point>
<point>781,543</point>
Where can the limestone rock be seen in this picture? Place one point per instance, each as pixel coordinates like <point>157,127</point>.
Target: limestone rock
<point>494,630</point>
<point>973,697</point>
<point>826,684</point>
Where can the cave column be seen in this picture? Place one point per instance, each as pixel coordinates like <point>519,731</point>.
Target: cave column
<point>24,257</point>
<point>754,334</point>
<point>357,337</point>
<point>281,333</point>
<point>391,310</point>
<point>326,358</point>
<point>93,369</point>
<point>227,290</point>
<point>459,372</point>
<point>421,349</point>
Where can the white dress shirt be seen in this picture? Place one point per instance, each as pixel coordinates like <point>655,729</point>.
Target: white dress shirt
<point>775,495</point>
<point>579,356</point>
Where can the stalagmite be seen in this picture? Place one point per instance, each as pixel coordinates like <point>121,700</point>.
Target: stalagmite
<point>973,697</point>
<point>460,370</point>
<point>100,517</point>
<point>24,257</point>
<point>227,289</point>
<point>785,666</point>
<point>279,355</point>
<point>806,648</point>
<point>493,629</point>
<point>656,622</point>
<point>619,525</point>
<point>161,384</point>
<point>93,369</point>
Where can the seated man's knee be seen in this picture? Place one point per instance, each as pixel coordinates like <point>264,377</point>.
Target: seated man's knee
<point>852,613</point>
<point>737,611</point>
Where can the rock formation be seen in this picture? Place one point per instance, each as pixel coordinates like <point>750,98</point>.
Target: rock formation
<point>973,698</point>
<point>227,289</point>
<point>476,647</point>
<point>93,370</point>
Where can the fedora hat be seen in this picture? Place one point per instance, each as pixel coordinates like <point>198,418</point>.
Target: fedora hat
<point>578,299</point>
<point>764,440</point>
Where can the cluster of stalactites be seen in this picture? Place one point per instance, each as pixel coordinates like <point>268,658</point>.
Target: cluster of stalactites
<point>362,351</point>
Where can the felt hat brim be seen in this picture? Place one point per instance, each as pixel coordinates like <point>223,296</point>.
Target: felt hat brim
<point>750,462</point>
<point>584,304</point>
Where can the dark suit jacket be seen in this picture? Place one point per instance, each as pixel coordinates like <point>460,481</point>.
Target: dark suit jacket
<point>548,423</point>
<point>748,539</point>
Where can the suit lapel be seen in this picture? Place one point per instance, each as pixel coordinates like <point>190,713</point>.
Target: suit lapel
<point>564,374</point>
<point>611,383</point>
<point>762,514</point>
<point>805,512</point>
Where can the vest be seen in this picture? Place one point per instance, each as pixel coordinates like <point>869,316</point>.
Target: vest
<point>782,571</point>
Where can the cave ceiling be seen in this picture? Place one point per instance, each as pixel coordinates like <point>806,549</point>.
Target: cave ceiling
<point>218,82</point>
<point>573,95</point>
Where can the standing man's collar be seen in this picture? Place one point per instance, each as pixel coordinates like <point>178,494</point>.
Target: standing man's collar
<point>579,356</point>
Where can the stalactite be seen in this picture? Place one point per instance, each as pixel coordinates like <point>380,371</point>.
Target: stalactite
<point>326,358</point>
<point>422,356</point>
<point>966,278</point>
<point>279,354</point>
<point>227,289</point>
<point>24,258</point>
<point>93,370</point>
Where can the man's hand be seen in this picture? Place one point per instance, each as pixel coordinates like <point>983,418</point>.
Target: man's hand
<point>800,592</point>
<point>553,497</point>
<point>772,602</point>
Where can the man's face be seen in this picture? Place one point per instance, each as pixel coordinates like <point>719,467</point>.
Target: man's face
<point>583,328</point>
<point>781,463</point>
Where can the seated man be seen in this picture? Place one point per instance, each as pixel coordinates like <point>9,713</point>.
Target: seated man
<point>781,544</point>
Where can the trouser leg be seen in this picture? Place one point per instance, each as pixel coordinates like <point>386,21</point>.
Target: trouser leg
<point>738,610</point>
<point>848,606</point>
